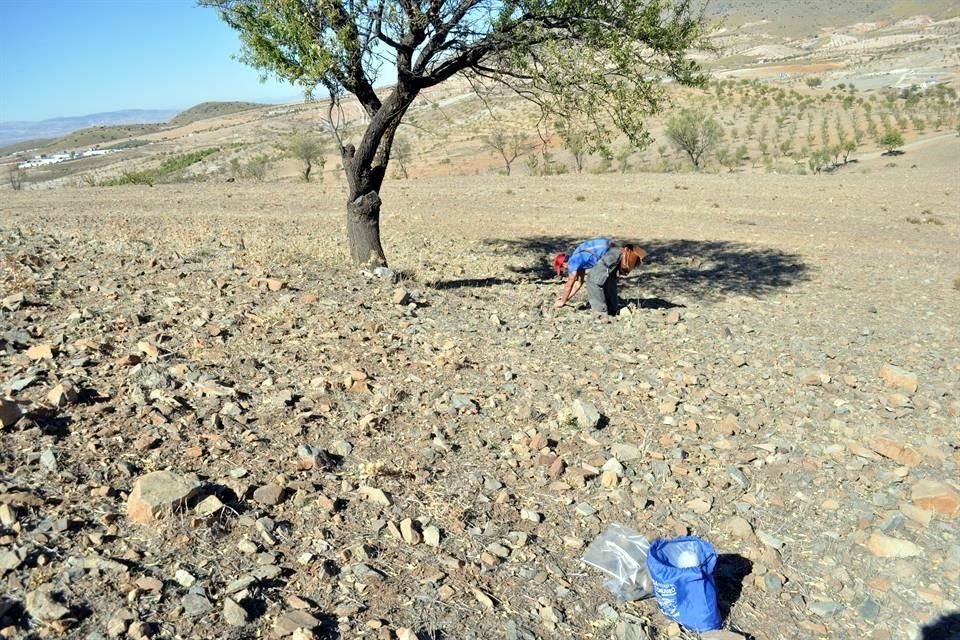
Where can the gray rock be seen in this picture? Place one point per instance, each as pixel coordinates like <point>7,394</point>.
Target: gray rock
<point>953,556</point>
<point>290,621</point>
<point>587,415</point>
<point>825,608</point>
<point>195,605</point>
<point>515,631</point>
<point>607,612</point>
<point>43,606</point>
<point>10,559</point>
<point>462,403</point>
<point>631,628</point>
<point>95,563</point>
<point>234,614</point>
<point>660,469</point>
<point>626,452</point>
<point>869,609</point>
<point>267,572</point>
<point>341,448</point>
<point>770,540</point>
<point>613,465</point>
<point>20,384</point>
<point>737,476</point>
<point>585,510</point>
<point>240,584</point>
<point>184,578</point>
<point>772,582</point>
<point>48,459</point>
<point>431,536</point>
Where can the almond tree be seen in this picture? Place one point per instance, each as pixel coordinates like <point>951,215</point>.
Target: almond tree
<point>510,145</point>
<point>696,134</point>
<point>604,60</point>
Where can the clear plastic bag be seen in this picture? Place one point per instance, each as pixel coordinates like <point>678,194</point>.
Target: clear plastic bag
<point>621,553</point>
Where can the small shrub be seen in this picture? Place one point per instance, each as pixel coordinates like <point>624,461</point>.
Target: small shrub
<point>257,167</point>
<point>17,175</point>
<point>580,198</point>
<point>926,217</point>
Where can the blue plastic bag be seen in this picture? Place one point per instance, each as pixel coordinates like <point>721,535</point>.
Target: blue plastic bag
<point>682,574</point>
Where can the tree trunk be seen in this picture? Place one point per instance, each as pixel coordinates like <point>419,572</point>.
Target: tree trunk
<point>363,230</point>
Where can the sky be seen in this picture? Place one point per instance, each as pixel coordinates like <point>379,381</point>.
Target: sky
<point>76,57</point>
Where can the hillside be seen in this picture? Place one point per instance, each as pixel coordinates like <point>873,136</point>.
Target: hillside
<point>790,18</point>
<point>25,145</point>
<point>96,136</point>
<point>12,132</point>
<point>785,105</point>
<point>207,110</point>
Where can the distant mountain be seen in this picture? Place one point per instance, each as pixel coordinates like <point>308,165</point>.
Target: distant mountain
<point>12,132</point>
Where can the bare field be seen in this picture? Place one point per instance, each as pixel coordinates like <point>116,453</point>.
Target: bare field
<point>212,329</point>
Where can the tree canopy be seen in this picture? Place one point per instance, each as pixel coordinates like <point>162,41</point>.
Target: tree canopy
<point>604,60</point>
<point>695,133</point>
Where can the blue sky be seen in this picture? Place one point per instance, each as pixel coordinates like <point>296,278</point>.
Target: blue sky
<point>74,57</point>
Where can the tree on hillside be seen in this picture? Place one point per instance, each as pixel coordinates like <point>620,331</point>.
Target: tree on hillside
<point>308,149</point>
<point>16,177</point>
<point>509,144</point>
<point>575,142</point>
<point>401,154</point>
<point>622,153</point>
<point>602,59</point>
<point>848,147</point>
<point>891,140</point>
<point>695,133</point>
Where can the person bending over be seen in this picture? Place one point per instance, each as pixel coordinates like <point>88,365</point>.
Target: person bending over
<point>598,263</point>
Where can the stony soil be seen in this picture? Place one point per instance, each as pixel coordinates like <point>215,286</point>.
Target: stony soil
<point>784,383</point>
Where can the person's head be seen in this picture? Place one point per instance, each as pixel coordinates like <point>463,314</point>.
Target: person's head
<point>560,263</point>
<point>630,257</point>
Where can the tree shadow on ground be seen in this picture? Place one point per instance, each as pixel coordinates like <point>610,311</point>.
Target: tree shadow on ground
<point>705,269</point>
<point>947,627</point>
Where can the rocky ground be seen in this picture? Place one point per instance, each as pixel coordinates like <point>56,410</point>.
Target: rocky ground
<point>213,429</point>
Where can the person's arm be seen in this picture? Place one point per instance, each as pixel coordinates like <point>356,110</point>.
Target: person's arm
<point>570,289</point>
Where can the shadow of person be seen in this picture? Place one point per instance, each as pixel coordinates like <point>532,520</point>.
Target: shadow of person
<point>658,303</point>
<point>947,627</point>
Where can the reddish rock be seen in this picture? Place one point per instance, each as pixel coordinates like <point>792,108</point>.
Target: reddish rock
<point>896,451</point>
<point>159,491</point>
<point>269,494</point>
<point>936,496</point>
<point>897,378</point>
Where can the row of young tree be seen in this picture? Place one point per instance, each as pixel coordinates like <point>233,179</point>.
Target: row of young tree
<point>764,128</point>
